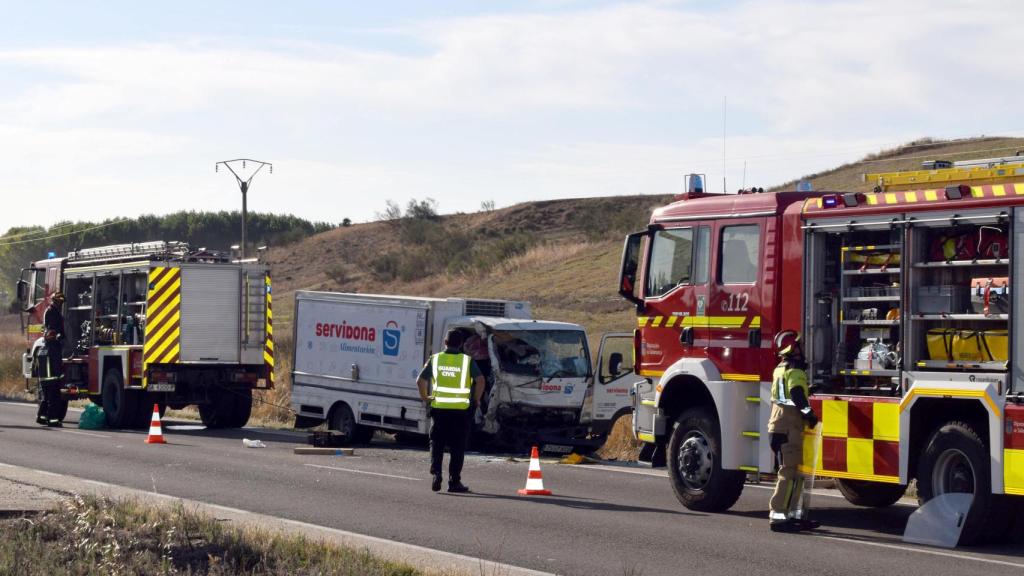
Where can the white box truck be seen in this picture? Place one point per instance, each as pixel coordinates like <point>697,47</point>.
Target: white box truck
<point>357,357</point>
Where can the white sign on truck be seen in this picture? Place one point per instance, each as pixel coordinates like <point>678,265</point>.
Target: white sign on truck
<point>386,342</point>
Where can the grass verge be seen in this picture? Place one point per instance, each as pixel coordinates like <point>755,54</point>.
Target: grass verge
<point>621,445</point>
<point>90,536</point>
<point>12,384</point>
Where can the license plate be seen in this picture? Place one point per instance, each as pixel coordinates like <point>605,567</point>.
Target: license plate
<point>161,387</point>
<point>557,448</point>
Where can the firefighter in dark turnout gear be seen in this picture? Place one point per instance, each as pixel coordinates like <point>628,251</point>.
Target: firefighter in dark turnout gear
<point>791,411</point>
<point>453,385</point>
<point>51,370</point>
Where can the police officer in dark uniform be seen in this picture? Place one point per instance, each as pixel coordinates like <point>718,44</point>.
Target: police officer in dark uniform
<point>453,385</point>
<point>52,375</point>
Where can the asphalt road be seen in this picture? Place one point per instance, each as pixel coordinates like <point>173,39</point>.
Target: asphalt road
<point>600,520</point>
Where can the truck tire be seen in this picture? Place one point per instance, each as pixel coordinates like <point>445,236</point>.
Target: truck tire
<point>242,409</point>
<point>143,408</point>
<point>118,405</point>
<point>956,460</point>
<point>870,494</point>
<point>344,422</point>
<point>695,464</point>
<point>219,411</point>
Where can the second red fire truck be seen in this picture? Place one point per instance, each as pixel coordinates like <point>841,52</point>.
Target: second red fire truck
<point>156,322</point>
<point>904,298</point>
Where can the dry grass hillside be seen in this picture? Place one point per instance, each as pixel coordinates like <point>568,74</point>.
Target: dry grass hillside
<point>848,177</point>
<point>561,255</point>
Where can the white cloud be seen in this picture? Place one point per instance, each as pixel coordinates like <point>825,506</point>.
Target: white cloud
<point>616,99</point>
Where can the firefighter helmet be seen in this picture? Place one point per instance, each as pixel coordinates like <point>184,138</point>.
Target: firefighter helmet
<point>787,342</point>
<point>57,296</point>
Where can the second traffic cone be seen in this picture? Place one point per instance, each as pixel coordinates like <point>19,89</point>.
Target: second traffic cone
<point>534,479</point>
<point>156,435</point>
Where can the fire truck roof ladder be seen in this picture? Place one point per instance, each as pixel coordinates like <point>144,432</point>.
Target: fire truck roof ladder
<point>132,251</point>
<point>986,171</point>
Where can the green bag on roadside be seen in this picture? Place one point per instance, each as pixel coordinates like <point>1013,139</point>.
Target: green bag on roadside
<point>92,418</point>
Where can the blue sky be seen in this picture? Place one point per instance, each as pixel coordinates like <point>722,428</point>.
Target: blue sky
<point>114,109</point>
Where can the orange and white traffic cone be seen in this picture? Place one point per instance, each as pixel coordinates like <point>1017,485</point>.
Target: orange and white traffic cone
<point>534,479</point>
<point>156,435</point>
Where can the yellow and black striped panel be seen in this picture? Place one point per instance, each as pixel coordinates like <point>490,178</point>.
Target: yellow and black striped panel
<point>268,350</point>
<point>698,321</point>
<point>163,317</point>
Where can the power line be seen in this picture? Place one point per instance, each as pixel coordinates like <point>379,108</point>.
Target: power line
<point>82,231</point>
<point>39,232</point>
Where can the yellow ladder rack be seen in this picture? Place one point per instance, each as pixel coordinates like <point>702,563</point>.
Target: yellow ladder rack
<point>941,177</point>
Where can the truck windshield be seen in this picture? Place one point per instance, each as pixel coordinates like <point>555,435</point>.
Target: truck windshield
<point>544,353</point>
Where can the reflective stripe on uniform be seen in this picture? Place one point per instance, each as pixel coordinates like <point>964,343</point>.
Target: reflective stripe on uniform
<point>783,380</point>
<point>452,380</point>
<point>447,389</point>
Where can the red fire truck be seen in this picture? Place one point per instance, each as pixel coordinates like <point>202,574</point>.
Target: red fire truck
<point>903,297</point>
<point>155,322</point>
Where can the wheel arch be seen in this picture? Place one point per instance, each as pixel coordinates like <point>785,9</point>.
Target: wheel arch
<point>681,393</point>
<point>692,382</point>
<point>927,414</point>
<point>335,406</point>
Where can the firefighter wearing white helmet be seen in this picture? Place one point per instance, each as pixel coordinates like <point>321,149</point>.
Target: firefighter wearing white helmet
<point>791,411</point>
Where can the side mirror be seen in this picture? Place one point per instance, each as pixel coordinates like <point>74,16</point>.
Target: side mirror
<point>22,290</point>
<point>628,272</point>
<point>614,363</point>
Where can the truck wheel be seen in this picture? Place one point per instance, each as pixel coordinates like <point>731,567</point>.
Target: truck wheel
<point>219,411</point>
<point>957,460</point>
<point>870,494</point>
<point>242,408</point>
<point>143,408</point>
<point>695,464</point>
<point>118,405</point>
<point>344,422</point>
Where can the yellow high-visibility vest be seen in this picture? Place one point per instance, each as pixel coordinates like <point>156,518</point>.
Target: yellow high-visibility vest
<point>452,381</point>
<point>784,380</point>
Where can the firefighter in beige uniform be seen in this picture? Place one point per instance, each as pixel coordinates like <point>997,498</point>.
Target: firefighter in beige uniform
<point>791,411</point>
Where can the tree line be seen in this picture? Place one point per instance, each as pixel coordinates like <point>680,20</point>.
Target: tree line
<point>21,245</point>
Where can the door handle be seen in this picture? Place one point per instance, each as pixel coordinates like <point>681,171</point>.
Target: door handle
<point>754,337</point>
<point>686,336</point>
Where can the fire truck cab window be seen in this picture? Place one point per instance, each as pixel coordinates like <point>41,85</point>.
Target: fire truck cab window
<point>39,289</point>
<point>671,259</point>
<point>740,248</point>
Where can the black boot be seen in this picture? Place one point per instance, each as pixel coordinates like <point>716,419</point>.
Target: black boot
<point>807,524</point>
<point>435,484</point>
<point>784,526</point>
<point>457,487</point>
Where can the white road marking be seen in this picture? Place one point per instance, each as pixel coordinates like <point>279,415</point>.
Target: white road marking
<point>84,433</point>
<point>354,471</point>
<point>32,405</point>
<point>922,551</point>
